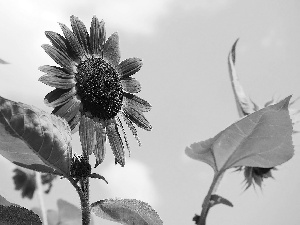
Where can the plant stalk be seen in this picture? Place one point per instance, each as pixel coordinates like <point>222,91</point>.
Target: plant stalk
<point>85,203</point>
<point>206,203</point>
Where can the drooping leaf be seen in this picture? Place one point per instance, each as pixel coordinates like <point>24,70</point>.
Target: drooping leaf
<point>126,211</point>
<point>12,215</point>
<point>244,104</point>
<point>34,139</point>
<point>262,139</point>
<point>216,199</point>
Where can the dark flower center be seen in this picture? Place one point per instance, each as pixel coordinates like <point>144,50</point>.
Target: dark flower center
<point>99,88</point>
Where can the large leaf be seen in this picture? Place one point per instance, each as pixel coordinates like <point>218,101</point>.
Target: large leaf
<point>34,139</point>
<point>126,211</point>
<point>244,105</point>
<point>262,139</point>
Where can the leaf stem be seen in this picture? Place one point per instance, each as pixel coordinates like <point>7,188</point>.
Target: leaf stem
<point>206,203</point>
<point>40,196</point>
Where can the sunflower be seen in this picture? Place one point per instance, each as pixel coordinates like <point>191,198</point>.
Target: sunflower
<point>93,88</point>
<point>256,175</point>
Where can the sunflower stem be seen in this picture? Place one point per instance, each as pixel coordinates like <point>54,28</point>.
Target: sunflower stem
<point>84,198</point>
<point>206,203</point>
<point>85,133</point>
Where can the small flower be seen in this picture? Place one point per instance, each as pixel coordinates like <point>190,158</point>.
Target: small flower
<point>79,167</point>
<point>91,82</point>
<point>256,175</point>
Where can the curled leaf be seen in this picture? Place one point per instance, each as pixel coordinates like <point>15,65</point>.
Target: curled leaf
<point>34,139</point>
<point>216,199</point>
<point>244,105</point>
<point>126,211</point>
<point>262,139</point>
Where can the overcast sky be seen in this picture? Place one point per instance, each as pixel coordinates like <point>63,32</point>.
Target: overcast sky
<point>184,45</point>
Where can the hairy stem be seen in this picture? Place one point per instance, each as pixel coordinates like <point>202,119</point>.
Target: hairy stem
<point>84,198</point>
<point>206,203</point>
<point>40,196</point>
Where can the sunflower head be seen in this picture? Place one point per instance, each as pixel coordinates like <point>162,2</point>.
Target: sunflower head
<point>256,175</point>
<point>91,82</point>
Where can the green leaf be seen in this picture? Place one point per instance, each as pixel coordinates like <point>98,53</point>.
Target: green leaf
<point>244,105</point>
<point>126,211</point>
<point>34,139</point>
<point>262,139</point>
<point>12,215</point>
<point>216,199</point>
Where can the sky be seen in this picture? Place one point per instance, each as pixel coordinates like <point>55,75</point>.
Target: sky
<point>184,46</point>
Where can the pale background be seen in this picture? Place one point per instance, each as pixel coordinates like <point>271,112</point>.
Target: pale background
<point>184,45</point>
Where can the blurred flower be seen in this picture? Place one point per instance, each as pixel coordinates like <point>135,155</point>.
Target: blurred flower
<point>92,82</point>
<point>47,178</point>
<point>26,182</point>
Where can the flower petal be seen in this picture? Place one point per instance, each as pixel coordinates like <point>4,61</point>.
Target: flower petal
<point>100,150</point>
<point>61,43</point>
<point>69,110</point>
<point>73,41</point>
<point>87,134</point>
<point>59,57</point>
<point>131,85</point>
<point>55,71</point>
<point>131,127</point>
<point>111,51</point>
<point>57,40</point>
<point>58,97</point>
<point>74,122</point>
<point>119,123</point>
<point>130,66</point>
<point>134,101</point>
<point>116,143</point>
<point>97,35</point>
<point>57,82</point>
<point>137,117</point>
<point>81,33</point>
